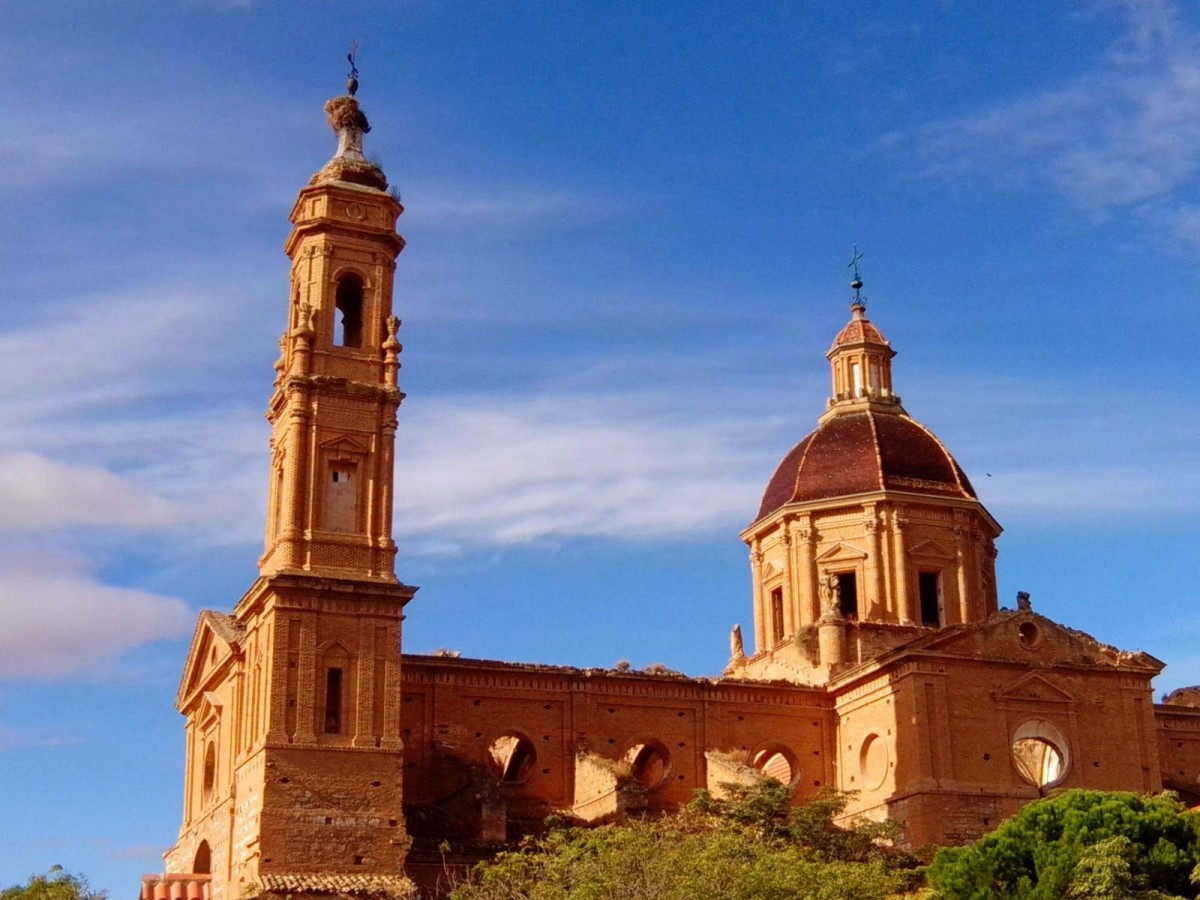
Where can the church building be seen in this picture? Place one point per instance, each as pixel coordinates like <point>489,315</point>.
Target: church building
<point>322,760</point>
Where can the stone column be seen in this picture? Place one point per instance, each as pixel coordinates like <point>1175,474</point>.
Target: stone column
<point>306,707</point>
<point>875,606</point>
<point>962,552</point>
<point>760,625</point>
<point>789,617</point>
<point>906,604</point>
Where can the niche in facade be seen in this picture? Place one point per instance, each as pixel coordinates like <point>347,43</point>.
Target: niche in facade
<point>341,497</point>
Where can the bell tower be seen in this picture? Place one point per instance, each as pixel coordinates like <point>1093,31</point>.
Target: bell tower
<point>294,778</point>
<point>333,413</point>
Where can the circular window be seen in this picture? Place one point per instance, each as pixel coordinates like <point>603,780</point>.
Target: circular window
<point>210,772</point>
<point>511,757</point>
<point>649,764</point>
<point>1028,635</point>
<point>1040,754</point>
<point>776,763</point>
<point>873,758</point>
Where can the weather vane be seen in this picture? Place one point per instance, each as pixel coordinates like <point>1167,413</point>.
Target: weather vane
<point>352,58</point>
<point>857,282</point>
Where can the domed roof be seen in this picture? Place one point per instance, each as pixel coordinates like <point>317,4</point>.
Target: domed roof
<point>861,452</point>
<point>859,330</point>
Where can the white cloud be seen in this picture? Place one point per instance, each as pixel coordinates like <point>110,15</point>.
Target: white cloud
<point>477,471</point>
<point>1122,138</point>
<point>39,493</point>
<point>56,619</point>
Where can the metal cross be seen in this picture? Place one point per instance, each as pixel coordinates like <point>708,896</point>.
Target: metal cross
<point>853,264</point>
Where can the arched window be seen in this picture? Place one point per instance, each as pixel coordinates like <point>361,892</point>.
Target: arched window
<point>347,324</point>
<point>210,773</point>
<point>202,863</point>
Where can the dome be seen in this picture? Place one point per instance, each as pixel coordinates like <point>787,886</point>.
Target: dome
<point>862,452</point>
<point>859,330</point>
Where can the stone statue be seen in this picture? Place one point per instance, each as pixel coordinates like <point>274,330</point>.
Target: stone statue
<point>831,593</point>
<point>1023,603</point>
<point>737,649</point>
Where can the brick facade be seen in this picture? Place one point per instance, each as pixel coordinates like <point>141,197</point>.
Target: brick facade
<point>317,757</point>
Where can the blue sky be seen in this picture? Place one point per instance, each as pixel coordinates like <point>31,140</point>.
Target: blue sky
<point>628,228</point>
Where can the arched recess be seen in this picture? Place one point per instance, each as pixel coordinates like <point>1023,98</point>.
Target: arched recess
<point>202,861</point>
<point>649,762</point>
<point>511,757</point>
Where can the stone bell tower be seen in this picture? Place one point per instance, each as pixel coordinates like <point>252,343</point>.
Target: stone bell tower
<point>294,769</point>
<point>869,532</point>
<point>333,414</point>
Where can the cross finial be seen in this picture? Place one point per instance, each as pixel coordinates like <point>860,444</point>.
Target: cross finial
<point>857,282</point>
<point>854,261</point>
<point>352,58</point>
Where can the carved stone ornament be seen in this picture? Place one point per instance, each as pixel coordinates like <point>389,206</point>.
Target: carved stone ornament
<point>737,649</point>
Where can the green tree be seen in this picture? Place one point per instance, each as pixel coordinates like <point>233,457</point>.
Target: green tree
<point>745,847</point>
<point>1084,845</point>
<point>57,884</point>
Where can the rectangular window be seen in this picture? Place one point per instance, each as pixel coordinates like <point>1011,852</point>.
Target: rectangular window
<point>777,615</point>
<point>929,584</point>
<point>333,701</point>
<point>848,590</point>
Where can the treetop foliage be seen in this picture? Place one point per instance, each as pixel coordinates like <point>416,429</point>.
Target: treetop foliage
<point>752,844</point>
<point>57,884</point>
<point>1081,845</point>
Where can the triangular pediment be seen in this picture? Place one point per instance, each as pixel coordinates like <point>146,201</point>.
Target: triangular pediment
<point>841,552</point>
<point>343,444</point>
<point>1020,636</point>
<point>1033,686</point>
<point>217,636</point>
<point>771,568</point>
<point>931,550</point>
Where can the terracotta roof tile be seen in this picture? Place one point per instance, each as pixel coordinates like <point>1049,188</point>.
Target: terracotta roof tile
<point>860,452</point>
<point>393,886</point>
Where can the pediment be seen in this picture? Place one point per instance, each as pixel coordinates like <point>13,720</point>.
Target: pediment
<point>771,569</point>
<point>1021,636</point>
<point>1036,687</point>
<point>931,550</point>
<point>334,647</point>
<point>216,638</point>
<point>343,444</point>
<point>841,552</point>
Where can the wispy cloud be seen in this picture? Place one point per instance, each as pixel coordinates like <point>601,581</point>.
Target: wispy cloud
<point>551,467</point>
<point>38,493</point>
<point>1065,452</point>
<point>56,619</point>
<point>12,739</point>
<point>1121,139</point>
